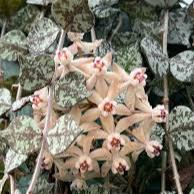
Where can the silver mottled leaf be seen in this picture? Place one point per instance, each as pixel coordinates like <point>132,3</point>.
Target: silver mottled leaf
<point>181,122</point>
<point>23,135</point>
<point>70,90</point>
<point>162,3</point>
<point>73,15</point>
<point>182,66</point>
<point>63,134</point>
<point>42,35</point>
<point>13,160</point>
<point>35,72</point>
<point>5,100</point>
<point>157,133</point>
<point>180,27</point>
<point>39,2</point>
<point>158,62</point>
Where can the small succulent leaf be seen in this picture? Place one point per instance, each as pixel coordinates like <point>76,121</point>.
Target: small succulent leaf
<point>35,72</point>
<point>10,7</point>
<point>181,122</point>
<point>5,100</point>
<point>42,185</point>
<point>70,90</point>
<point>19,103</point>
<point>73,16</point>
<point>23,135</point>
<point>63,134</point>
<point>180,27</point>
<point>181,66</point>
<point>162,3</point>
<point>13,160</point>
<point>128,57</point>
<point>42,35</point>
<point>24,18</point>
<point>158,62</point>
<point>39,2</point>
<point>10,52</point>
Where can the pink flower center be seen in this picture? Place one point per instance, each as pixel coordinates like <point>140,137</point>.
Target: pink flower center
<point>36,100</point>
<point>108,107</point>
<point>98,64</point>
<point>84,166</point>
<point>163,114</point>
<point>157,150</point>
<point>121,168</point>
<point>140,77</point>
<point>115,142</point>
<point>62,54</point>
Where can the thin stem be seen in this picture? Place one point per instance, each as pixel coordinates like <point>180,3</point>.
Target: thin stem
<point>166,104</point>
<point>93,34</point>
<point>3,180</point>
<point>19,92</point>
<point>190,99</point>
<point>61,40</point>
<point>163,175</point>
<point>39,159</point>
<point>12,184</point>
<point>3,27</point>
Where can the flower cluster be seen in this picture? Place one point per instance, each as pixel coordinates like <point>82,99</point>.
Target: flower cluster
<point>118,114</point>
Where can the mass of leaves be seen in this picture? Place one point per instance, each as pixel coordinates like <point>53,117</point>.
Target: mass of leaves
<point>82,97</point>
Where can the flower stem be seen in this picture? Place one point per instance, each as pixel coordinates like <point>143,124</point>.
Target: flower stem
<point>39,159</point>
<point>3,27</point>
<point>166,104</point>
<point>12,184</point>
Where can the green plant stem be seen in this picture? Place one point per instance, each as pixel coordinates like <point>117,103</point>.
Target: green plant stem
<point>3,27</point>
<point>19,92</point>
<point>166,104</point>
<point>44,141</point>
<point>93,34</point>
<point>163,176</point>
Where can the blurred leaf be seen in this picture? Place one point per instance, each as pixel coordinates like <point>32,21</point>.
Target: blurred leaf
<point>10,69</point>
<point>158,62</point>
<point>181,122</point>
<point>24,18</point>
<point>192,191</point>
<point>168,192</point>
<point>5,100</point>
<point>39,2</point>
<point>36,72</point>
<point>63,134</point>
<point>42,35</point>
<point>180,27</point>
<point>9,7</point>
<point>42,185</point>
<point>70,90</point>
<point>73,15</point>
<point>23,135</point>
<point>181,66</point>
<point>162,3</point>
<point>13,160</point>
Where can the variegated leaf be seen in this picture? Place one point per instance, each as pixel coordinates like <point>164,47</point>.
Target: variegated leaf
<point>23,135</point>
<point>39,2</point>
<point>42,35</point>
<point>157,133</point>
<point>162,3</point>
<point>182,66</point>
<point>158,62</point>
<point>180,27</point>
<point>181,122</point>
<point>128,57</point>
<point>36,72</point>
<point>73,15</point>
<point>63,134</point>
<point>70,90</point>
<point>13,160</point>
<point>24,18</point>
<point>5,100</point>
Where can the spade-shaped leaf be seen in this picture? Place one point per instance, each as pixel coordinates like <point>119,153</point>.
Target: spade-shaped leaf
<point>73,15</point>
<point>162,3</point>
<point>13,160</point>
<point>180,27</point>
<point>63,134</point>
<point>36,72</point>
<point>5,100</point>
<point>70,90</point>
<point>182,66</point>
<point>23,135</point>
<point>181,121</point>
<point>156,59</point>
<point>42,35</point>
